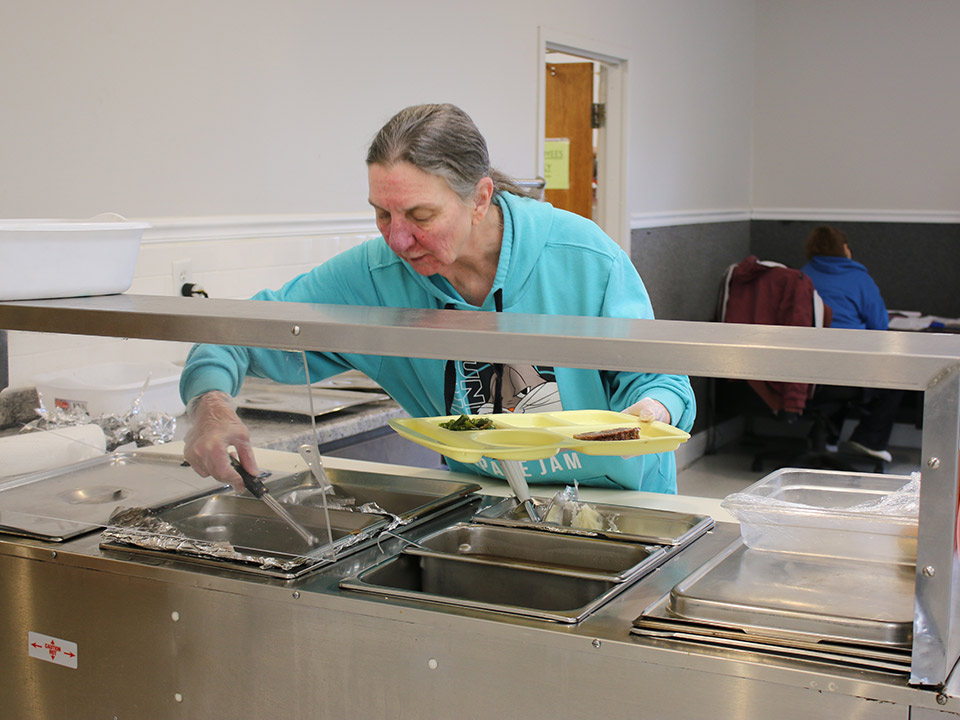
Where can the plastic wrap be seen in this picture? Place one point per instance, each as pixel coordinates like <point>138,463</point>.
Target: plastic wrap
<point>844,515</point>
<point>567,510</point>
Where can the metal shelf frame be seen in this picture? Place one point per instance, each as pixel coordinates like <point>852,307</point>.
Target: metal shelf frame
<point>926,362</point>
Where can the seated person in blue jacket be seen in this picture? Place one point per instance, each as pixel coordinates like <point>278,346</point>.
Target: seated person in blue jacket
<point>456,234</point>
<point>853,296</point>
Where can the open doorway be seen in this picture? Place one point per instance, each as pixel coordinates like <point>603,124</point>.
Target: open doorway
<point>582,123</point>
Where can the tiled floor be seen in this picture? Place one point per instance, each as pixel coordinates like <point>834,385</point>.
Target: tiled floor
<point>728,470</point>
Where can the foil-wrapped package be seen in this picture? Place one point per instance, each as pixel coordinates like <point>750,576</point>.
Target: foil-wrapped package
<point>567,510</point>
<point>136,426</point>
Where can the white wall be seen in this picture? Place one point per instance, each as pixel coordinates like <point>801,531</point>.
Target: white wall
<point>257,112</point>
<point>691,102</point>
<point>227,267</point>
<point>219,108</point>
<point>857,106</point>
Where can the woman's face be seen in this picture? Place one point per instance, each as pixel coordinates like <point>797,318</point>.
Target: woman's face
<point>423,221</point>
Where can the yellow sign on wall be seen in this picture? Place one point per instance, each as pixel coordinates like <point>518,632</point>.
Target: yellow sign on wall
<point>556,163</point>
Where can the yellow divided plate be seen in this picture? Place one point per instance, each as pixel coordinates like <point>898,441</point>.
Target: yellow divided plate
<point>534,436</point>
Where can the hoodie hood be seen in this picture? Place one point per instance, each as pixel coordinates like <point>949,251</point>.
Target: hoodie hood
<point>516,262</point>
<point>833,265</point>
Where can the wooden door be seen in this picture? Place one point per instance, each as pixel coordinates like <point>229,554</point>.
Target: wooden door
<point>569,104</point>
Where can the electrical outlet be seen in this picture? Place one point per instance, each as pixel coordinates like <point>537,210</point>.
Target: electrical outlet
<point>182,271</point>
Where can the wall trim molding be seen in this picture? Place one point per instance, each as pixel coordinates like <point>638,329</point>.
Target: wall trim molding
<point>696,217</point>
<point>842,215</point>
<point>231,227</point>
<point>686,217</point>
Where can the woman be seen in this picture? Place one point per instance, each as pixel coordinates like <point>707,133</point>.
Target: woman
<point>457,234</point>
<point>854,298</point>
<point>844,285</point>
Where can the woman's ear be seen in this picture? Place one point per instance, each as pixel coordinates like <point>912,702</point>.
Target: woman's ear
<point>482,197</point>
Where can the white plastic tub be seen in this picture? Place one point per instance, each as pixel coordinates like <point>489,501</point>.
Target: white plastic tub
<point>67,258</point>
<point>829,514</point>
<point>112,388</point>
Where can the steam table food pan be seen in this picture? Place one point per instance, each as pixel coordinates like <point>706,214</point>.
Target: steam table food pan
<point>240,532</point>
<point>453,581</point>
<point>65,502</point>
<point>620,522</point>
<point>847,606</point>
<point>829,514</point>
<point>266,396</point>
<point>514,568</point>
<point>408,498</point>
<point>534,436</point>
<point>350,380</point>
<point>243,533</point>
<point>560,554</point>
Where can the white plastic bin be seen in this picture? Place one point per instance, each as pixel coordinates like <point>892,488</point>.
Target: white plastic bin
<point>68,258</point>
<point>111,388</point>
<point>815,512</point>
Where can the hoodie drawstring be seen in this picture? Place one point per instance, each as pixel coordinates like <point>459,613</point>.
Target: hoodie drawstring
<point>498,367</point>
<point>450,369</point>
<point>449,375</point>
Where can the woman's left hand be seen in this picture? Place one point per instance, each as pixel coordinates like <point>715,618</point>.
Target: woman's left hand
<point>648,410</point>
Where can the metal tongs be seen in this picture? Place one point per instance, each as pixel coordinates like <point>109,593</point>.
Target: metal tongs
<point>259,491</point>
<point>518,483</point>
<point>311,457</point>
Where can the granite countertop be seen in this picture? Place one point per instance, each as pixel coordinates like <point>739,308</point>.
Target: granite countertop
<point>281,431</point>
<point>18,406</point>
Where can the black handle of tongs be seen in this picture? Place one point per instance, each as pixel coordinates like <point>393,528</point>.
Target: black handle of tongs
<point>250,482</point>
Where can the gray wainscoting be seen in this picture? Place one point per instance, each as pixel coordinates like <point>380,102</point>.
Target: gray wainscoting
<point>682,265</point>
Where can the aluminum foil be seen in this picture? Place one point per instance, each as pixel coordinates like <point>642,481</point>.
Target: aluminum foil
<point>141,528</point>
<point>568,511</point>
<point>312,496</point>
<point>136,426</point>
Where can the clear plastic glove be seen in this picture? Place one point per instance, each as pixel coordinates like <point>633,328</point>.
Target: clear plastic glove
<point>214,427</point>
<point>648,410</point>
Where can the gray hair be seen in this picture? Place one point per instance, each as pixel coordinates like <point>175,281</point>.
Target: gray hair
<point>442,140</point>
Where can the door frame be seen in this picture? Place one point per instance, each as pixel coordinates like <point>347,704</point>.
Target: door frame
<point>612,213</point>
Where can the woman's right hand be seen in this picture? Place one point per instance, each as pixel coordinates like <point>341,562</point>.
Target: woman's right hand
<point>215,427</point>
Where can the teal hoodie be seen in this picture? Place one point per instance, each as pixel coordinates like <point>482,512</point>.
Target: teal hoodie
<point>551,262</point>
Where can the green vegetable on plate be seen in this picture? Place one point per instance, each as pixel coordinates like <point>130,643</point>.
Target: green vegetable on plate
<point>465,422</point>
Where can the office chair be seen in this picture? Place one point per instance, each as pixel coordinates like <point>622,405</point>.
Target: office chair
<point>824,413</point>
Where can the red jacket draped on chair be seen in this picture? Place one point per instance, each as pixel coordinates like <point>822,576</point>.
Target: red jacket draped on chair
<point>766,293</point>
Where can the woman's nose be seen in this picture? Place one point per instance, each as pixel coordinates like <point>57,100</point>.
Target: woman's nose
<point>400,238</point>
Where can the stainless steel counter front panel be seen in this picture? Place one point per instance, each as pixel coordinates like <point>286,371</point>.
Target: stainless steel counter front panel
<point>166,640</point>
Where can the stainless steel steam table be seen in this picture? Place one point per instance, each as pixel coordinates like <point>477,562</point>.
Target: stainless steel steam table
<point>166,641</point>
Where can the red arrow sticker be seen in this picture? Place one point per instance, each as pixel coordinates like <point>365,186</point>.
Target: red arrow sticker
<point>51,649</point>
